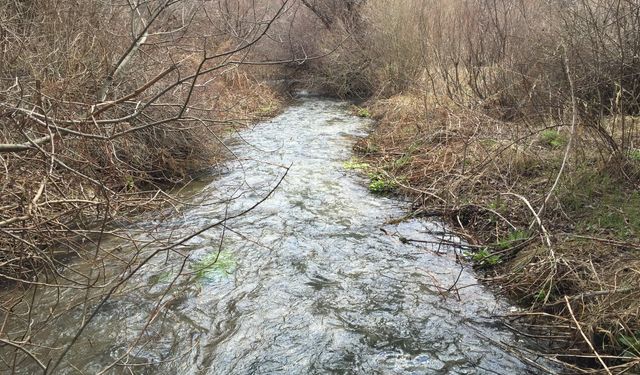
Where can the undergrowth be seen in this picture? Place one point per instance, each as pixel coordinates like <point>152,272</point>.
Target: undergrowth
<point>485,177</point>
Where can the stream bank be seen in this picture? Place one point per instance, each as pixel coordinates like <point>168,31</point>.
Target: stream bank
<point>572,266</point>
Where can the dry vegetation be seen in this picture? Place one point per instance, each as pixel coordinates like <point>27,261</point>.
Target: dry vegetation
<point>517,122</point>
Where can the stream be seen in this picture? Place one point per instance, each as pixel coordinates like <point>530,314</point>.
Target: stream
<point>314,280</point>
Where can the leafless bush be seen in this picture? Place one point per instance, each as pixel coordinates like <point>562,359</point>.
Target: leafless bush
<point>119,100</point>
<point>104,105</point>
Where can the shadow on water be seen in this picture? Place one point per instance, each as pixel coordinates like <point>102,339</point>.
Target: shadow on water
<point>305,283</point>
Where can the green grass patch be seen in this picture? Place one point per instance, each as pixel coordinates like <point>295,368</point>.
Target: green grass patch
<point>514,238</point>
<point>129,183</point>
<point>600,203</point>
<point>498,205</point>
<point>215,264</point>
<point>362,112</point>
<point>356,164</point>
<point>267,109</point>
<point>380,184</point>
<point>630,344</point>
<point>415,146</point>
<point>553,139</point>
<point>541,296</point>
<point>402,161</point>
<point>484,258</point>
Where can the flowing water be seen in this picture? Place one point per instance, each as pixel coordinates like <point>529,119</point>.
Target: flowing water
<point>314,280</point>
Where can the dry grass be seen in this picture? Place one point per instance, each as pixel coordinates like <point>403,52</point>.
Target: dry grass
<point>481,175</point>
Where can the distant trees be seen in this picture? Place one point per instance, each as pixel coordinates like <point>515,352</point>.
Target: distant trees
<point>511,55</point>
